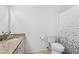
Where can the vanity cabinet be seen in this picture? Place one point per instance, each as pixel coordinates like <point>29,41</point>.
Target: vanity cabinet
<point>13,46</point>
<point>20,48</point>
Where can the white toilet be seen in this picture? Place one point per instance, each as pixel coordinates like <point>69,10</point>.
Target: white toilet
<point>57,48</point>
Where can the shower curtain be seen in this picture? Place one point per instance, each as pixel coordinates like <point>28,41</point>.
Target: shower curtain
<point>69,38</point>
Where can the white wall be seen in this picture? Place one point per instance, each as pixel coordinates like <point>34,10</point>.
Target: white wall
<point>69,18</point>
<point>35,21</point>
<point>3,19</point>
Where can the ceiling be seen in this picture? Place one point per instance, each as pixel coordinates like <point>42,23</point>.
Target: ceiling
<point>53,8</point>
<point>62,8</point>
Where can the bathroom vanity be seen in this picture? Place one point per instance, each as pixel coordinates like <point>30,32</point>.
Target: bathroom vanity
<point>13,46</point>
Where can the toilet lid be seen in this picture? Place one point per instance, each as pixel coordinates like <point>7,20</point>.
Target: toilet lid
<point>57,46</point>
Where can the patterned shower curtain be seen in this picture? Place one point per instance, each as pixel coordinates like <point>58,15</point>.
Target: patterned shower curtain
<point>69,38</point>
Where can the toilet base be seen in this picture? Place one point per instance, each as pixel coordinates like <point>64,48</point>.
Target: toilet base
<point>55,52</point>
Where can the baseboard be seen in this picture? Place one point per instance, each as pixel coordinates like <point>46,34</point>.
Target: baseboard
<point>42,51</point>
